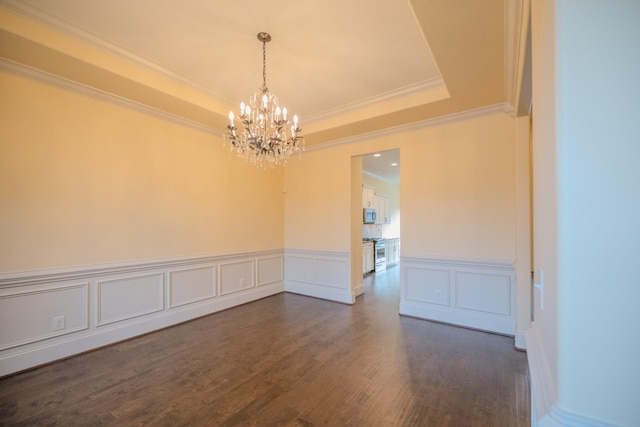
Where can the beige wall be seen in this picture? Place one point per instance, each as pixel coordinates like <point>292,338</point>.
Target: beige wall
<point>457,191</point>
<point>83,181</point>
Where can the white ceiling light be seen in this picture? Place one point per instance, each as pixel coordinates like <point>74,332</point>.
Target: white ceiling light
<point>267,136</point>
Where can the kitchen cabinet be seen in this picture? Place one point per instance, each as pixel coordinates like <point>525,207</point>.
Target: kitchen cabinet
<point>381,204</point>
<point>367,257</point>
<point>368,197</point>
<point>393,251</point>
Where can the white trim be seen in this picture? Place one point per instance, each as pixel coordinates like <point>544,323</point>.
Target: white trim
<point>303,276</point>
<point>492,263</point>
<point>71,344</point>
<point>32,277</point>
<point>561,418</point>
<point>35,74</point>
<point>543,391</point>
<point>434,121</point>
<point>465,292</point>
<point>37,349</point>
<point>520,341</point>
<point>50,21</point>
<point>545,412</point>
<point>43,290</point>
<point>434,83</point>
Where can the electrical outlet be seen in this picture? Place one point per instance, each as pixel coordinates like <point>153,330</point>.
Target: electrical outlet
<point>438,294</point>
<point>58,323</point>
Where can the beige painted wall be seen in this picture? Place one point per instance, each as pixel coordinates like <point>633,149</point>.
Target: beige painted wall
<point>458,192</point>
<point>83,181</point>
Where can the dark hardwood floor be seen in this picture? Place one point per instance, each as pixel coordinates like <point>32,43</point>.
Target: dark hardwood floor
<point>287,360</point>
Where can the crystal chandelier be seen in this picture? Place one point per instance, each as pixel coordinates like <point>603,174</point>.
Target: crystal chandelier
<point>267,136</point>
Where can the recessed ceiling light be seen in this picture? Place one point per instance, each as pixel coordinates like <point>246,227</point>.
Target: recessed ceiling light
<point>394,164</point>
<point>377,155</point>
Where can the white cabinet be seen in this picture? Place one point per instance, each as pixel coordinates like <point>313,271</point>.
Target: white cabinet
<point>367,257</point>
<point>368,197</point>
<point>381,204</point>
<point>393,251</point>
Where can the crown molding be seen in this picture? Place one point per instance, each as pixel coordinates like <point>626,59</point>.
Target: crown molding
<point>40,76</point>
<point>41,17</point>
<point>424,86</point>
<point>434,121</point>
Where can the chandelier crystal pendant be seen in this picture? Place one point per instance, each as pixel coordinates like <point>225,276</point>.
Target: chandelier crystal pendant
<point>267,136</point>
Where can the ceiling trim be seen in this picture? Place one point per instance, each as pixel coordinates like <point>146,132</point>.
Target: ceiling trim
<point>41,17</point>
<point>433,84</point>
<point>449,118</point>
<point>40,76</point>
<point>516,38</point>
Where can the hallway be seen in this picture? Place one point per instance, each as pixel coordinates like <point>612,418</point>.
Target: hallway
<point>286,360</point>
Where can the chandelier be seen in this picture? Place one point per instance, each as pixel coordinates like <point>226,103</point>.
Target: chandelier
<point>267,136</point>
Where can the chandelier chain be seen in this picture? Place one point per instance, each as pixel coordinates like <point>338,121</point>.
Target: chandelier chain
<point>264,63</point>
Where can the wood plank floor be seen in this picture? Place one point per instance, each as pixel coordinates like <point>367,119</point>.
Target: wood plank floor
<point>287,360</point>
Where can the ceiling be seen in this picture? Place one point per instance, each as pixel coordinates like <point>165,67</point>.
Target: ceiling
<point>383,165</point>
<point>346,68</point>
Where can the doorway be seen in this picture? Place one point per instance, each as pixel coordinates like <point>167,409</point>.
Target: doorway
<point>376,186</point>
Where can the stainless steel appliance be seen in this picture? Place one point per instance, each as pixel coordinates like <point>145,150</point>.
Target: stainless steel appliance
<point>380,254</point>
<point>368,216</point>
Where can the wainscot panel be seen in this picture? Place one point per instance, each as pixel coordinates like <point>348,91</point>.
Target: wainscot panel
<point>320,274</point>
<point>129,297</point>
<point>236,276</point>
<point>270,270</point>
<point>42,312</point>
<point>470,293</point>
<point>189,285</point>
<point>46,314</point>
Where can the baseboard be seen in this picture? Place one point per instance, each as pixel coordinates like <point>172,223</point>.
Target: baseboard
<point>72,344</point>
<point>358,290</point>
<point>101,305</point>
<point>319,292</point>
<point>520,341</point>
<point>467,320</point>
<point>545,412</point>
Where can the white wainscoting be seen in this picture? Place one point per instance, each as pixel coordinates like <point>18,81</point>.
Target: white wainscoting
<point>471,293</point>
<point>319,274</point>
<point>49,315</point>
<point>129,297</point>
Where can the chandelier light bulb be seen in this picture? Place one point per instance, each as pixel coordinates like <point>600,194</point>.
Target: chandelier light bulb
<point>284,113</point>
<point>231,116</point>
<point>242,109</point>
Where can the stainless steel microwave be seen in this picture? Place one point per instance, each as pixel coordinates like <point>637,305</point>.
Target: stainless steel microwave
<point>369,216</point>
